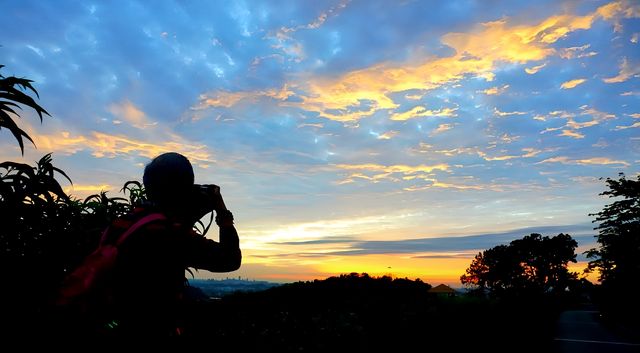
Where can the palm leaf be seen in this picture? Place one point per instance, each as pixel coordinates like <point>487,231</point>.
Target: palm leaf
<point>11,95</point>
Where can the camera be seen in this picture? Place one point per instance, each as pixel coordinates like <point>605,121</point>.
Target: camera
<point>203,199</point>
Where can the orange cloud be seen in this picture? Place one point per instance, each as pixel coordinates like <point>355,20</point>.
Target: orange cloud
<point>131,114</point>
<point>534,69</point>
<point>617,10</point>
<point>398,168</point>
<point>572,83</point>
<point>442,128</point>
<point>84,190</point>
<point>571,133</point>
<point>388,135</point>
<point>477,53</point>
<point>495,90</point>
<point>106,145</point>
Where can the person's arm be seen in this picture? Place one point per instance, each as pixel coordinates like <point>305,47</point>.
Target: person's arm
<point>222,256</point>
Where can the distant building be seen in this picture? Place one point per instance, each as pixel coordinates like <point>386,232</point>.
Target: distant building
<point>443,290</point>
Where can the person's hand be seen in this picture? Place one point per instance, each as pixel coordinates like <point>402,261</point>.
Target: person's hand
<point>218,202</point>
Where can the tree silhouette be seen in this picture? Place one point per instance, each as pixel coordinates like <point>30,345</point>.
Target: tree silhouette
<point>11,97</point>
<point>532,265</point>
<point>618,257</point>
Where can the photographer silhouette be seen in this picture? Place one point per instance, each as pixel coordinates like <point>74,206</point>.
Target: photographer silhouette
<point>147,298</point>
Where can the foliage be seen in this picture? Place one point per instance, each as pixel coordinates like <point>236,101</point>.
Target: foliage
<point>533,265</point>
<point>11,97</point>
<point>618,256</point>
<point>45,233</point>
<point>360,313</point>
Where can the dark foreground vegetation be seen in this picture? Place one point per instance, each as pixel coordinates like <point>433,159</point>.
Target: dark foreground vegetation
<point>359,313</point>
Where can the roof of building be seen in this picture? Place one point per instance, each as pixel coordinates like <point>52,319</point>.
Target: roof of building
<point>442,288</point>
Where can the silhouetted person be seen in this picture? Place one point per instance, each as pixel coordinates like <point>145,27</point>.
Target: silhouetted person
<point>150,272</point>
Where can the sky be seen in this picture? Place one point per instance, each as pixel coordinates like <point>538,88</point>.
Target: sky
<point>389,137</point>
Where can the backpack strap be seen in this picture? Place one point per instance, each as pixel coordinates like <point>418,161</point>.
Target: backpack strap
<point>141,222</point>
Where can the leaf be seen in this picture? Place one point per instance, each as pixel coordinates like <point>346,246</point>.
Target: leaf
<point>14,129</point>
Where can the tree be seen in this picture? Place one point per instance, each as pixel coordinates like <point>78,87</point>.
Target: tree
<point>618,256</point>
<point>531,265</point>
<point>11,97</point>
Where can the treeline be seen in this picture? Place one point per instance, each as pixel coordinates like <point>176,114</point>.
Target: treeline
<point>360,313</point>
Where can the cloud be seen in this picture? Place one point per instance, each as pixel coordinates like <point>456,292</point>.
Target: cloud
<point>131,114</point>
<point>583,233</point>
<point>420,111</point>
<point>634,125</point>
<point>571,133</point>
<point>576,52</point>
<point>618,10</point>
<point>585,161</point>
<point>568,129</point>
<point>534,69</point>
<point>495,90</point>
<point>228,99</point>
<point>84,190</point>
<point>283,38</point>
<point>360,93</point>
<point>627,71</point>
<point>105,145</point>
<point>442,128</point>
<point>438,184</point>
<point>500,158</point>
<point>387,135</point>
<point>572,83</point>
<point>501,114</point>
<point>397,168</point>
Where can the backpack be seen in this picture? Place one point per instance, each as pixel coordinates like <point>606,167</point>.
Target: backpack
<point>85,293</point>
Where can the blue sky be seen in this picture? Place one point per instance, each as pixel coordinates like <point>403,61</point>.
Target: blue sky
<point>346,135</point>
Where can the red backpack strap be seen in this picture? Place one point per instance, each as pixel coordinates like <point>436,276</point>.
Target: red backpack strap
<point>141,222</point>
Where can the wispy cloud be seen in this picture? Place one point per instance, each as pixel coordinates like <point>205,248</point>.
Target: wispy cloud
<point>624,127</point>
<point>576,52</point>
<point>627,71</point>
<point>283,37</point>
<point>583,233</point>
<point>586,161</point>
<point>420,111</point>
<point>442,128</point>
<point>131,114</point>
<point>503,114</point>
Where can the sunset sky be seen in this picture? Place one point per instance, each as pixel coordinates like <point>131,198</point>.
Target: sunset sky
<point>388,137</point>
